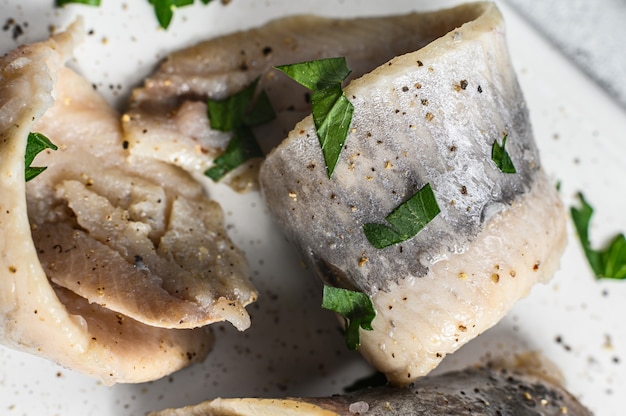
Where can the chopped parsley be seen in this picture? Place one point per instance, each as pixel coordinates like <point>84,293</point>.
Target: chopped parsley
<point>238,114</point>
<point>36,144</point>
<point>60,3</point>
<point>163,9</point>
<point>501,158</point>
<point>355,307</point>
<point>408,219</point>
<point>610,262</point>
<point>332,112</point>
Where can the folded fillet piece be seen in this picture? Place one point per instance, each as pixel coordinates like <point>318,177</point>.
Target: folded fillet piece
<point>426,117</point>
<point>474,391</point>
<point>167,119</point>
<point>108,266</point>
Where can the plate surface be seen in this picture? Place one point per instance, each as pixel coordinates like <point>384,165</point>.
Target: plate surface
<point>293,347</point>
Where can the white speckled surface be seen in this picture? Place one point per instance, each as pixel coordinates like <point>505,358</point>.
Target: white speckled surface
<point>292,347</point>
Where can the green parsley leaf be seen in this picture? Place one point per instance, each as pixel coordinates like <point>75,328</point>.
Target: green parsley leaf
<point>60,3</point>
<point>332,111</point>
<point>228,114</point>
<point>408,219</point>
<point>262,112</point>
<point>356,309</point>
<point>241,147</point>
<point>501,158</point>
<point>164,10</point>
<point>608,263</point>
<point>36,144</point>
<point>318,75</point>
<point>238,114</point>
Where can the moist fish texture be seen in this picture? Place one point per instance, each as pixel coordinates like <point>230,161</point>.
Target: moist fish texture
<point>429,116</point>
<point>474,391</point>
<point>108,266</point>
<point>166,118</point>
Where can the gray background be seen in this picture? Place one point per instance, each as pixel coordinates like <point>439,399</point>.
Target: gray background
<point>592,33</point>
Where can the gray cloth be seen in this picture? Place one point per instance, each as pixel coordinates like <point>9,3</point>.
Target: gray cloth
<point>592,33</point>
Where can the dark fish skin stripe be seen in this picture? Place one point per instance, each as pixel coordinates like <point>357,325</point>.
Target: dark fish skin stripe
<point>475,391</point>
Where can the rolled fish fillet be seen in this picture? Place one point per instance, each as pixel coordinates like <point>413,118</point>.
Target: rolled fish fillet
<point>108,266</point>
<point>166,118</point>
<point>474,391</point>
<point>426,117</point>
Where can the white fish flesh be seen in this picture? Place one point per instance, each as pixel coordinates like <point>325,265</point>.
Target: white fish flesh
<point>426,117</point>
<point>166,118</point>
<point>475,391</point>
<point>109,266</point>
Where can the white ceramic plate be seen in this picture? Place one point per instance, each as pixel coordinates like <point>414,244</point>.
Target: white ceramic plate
<point>293,347</point>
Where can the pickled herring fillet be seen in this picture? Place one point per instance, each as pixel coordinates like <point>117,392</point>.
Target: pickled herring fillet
<point>427,117</point>
<point>108,266</point>
<point>474,391</point>
<point>166,118</point>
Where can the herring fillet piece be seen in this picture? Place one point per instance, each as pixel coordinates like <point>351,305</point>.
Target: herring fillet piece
<point>166,118</point>
<point>429,116</point>
<point>138,236</point>
<point>105,265</point>
<point>472,391</point>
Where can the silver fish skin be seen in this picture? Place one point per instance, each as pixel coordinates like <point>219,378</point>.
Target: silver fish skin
<point>426,117</point>
<point>110,267</point>
<point>474,391</point>
<point>166,118</point>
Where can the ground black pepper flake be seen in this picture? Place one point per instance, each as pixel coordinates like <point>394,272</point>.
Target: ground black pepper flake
<point>17,30</point>
<point>559,340</point>
<point>462,85</point>
<point>8,24</point>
